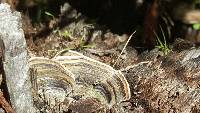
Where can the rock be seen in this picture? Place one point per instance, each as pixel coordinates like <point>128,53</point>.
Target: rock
<point>15,60</point>
<point>1,110</point>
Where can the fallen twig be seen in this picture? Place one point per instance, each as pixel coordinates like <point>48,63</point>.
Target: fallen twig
<point>5,105</point>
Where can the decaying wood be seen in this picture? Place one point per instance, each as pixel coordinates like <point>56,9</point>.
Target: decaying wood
<point>5,104</point>
<point>15,60</point>
<point>158,84</point>
<point>167,84</point>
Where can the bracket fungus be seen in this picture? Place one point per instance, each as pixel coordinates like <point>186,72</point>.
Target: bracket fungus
<point>88,79</point>
<point>96,79</point>
<point>51,83</point>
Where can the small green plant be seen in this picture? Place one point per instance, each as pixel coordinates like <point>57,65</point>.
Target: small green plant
<point>49,14</point>
<point>66,34</point>
<point>196,26</point>
<point>82,44</point>
<point>162,46</point>
<point>80,47</point>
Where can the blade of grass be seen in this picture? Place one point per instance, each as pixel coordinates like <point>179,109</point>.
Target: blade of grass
<point>49,14</point>
<point>159,41</point>
<point>124,47</point>
<point>165,42</point>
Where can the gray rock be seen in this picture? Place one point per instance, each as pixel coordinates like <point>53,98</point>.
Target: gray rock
<point>15,60</point>
<point>1,110</point>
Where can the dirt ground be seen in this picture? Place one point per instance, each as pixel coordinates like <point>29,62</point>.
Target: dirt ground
<point>81,34</point>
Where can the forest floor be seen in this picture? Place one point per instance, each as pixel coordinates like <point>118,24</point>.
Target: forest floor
<point>72,30</point>
<point>77,32</point>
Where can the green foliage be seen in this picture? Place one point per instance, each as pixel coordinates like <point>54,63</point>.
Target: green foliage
<point>162,46</point>
<point>196,26</point>
<point>66,34</point>
<point>83,46</point>
<point>195,4</point>
<point>49,14</point>
<point>41,7</point>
